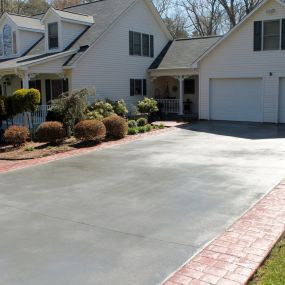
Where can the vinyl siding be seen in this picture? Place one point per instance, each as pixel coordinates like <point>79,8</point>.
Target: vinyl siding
<point>27,39</point>
<point>108,66</point>
<point>235,58</point>
<point>70,32</point>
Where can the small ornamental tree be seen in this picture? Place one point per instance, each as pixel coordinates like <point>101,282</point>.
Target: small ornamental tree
<point>147,106</point>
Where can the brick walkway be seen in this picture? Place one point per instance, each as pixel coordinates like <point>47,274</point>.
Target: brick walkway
<point>233,257</point>
<point>6,166</point>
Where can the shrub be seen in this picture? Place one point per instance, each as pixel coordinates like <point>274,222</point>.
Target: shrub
<point>132,124</point>
<point>148,127</point>
<point>147,106</point>
<point>161,126</point>
<point>101,108</point>
<point>32,99</point>
<point>16,135</point>
<point>142,129</point>
<point>52,132</point>
<point>119,107</point>
<point>19,102</point>
<point>116,126</point>
<point>72,106</point>
<point>90,130</point>
<point>141,122</point>
<point>132,131</point>
<point>94,115</point>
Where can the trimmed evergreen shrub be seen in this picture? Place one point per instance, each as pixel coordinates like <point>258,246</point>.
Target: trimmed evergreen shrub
<point>16,135</point>
<point>116,127</point>
<point>52,132</point>
<point>132,124</point>
<point>141,122</point>
<point>33,99</point>
<point>132,131</point>
<point>90,130</point>
<point>147,106</point>
<point>142,129</point>
<point>148,128</point>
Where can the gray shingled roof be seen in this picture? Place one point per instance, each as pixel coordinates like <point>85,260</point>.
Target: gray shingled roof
<point>182,53</point>
<point>105,12</point>
<point>27,22</point>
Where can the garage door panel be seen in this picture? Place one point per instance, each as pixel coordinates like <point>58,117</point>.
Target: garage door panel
<point>236,99</point>
<point>282,100</point>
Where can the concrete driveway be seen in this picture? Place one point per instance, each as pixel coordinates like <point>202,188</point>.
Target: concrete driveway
<point>134,213</point>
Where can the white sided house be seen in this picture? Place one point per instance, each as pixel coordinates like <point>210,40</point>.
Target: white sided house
<point>106,43</point>
<point>123,49</point>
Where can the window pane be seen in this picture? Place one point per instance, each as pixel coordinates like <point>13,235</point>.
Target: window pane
<point>271,28</point>
<point>145,42</point>
<point>271,43</point>
<point>53,35</point>
<point>14,42</point>
<point>138,87</point>
<point>56,88</point>
<point>7,40</point>
<point>137,43</point>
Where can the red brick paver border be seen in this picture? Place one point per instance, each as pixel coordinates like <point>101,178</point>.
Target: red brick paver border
<point>233,257</point>
<point>6,165</point>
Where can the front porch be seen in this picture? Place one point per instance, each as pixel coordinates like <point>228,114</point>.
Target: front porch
<point>51,86</point>
<point>177,94</point>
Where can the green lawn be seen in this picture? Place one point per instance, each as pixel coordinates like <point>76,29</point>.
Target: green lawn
<point>273,270</point>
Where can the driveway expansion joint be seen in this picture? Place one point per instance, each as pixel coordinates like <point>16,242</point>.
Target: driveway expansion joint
<point>233,257</point>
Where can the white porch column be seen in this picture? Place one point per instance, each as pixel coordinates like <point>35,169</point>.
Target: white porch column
<point>25,80</point>
<point>181,91</point>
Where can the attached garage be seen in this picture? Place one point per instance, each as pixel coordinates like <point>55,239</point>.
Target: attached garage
<point>282,100</point>
<point>238,99</point>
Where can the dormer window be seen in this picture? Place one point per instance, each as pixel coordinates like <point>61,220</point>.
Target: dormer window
<point>53,35</point>
<point>8,41</point>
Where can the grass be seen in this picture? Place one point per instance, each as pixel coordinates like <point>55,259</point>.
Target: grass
<point>272,272</point>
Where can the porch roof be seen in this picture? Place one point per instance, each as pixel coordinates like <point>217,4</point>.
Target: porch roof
<point>181,53</point>
<point>12,65</point>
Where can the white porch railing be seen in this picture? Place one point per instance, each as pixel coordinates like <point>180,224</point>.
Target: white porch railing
<point>168,106</point>
<point>39,116</point>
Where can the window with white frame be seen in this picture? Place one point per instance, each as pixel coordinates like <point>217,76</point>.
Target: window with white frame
<point>138,87</point>
<point>53,35</point>
<point>8,41</point>
<point>271,35</point>
<point>141,44</point>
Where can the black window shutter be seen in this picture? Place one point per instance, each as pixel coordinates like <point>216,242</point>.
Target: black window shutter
<point>48,91</point>
<point>151,46</point>
<point>144,87</point>
<point>257,36</point>
<point>131,42</point>
<point>283,35</point>
<point>132,87</point>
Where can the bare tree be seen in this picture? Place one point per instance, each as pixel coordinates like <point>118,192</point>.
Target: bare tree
<point>237,9</point>
<point>177,25</point>
<point>205,16</point>
<point>162,6</point>
<point>61,4</point>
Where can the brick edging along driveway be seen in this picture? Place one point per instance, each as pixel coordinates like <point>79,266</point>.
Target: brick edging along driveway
<point>233,257</point>
<point>8,165</point>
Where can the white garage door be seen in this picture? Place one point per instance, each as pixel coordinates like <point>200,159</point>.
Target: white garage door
<point>236,99</point>
<point>282,100</point>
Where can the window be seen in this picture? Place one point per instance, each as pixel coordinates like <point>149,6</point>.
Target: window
<point>141,44</point>
<point>271,35</point>
<point>145,44</point>
<point>189,86</point>
<point>54,88</point>
<point>7,40</point>
<point>14,42</point>
<point>53,35</point>
<point>137,87</point>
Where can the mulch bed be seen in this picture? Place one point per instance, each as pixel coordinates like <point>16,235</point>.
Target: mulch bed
<point>34,150</point>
